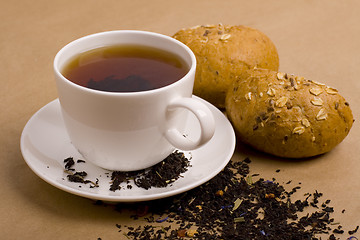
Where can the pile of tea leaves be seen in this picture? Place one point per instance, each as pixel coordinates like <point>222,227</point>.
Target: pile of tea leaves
<point>234,206</point>
<point>160,175</point>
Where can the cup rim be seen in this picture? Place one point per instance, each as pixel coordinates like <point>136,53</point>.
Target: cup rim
<point>57,71</point>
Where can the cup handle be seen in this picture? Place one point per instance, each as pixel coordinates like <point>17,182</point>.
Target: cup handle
<point>205,118</point>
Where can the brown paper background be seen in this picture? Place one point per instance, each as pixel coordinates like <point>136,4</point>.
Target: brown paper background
<point>316,39</point>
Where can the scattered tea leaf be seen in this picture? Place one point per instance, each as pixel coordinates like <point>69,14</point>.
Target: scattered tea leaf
<point>237,204</point>
<point>239,219</point>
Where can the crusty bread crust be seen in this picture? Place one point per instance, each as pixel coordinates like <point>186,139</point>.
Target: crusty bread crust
<point>287,116</point>
<point>223,52</point>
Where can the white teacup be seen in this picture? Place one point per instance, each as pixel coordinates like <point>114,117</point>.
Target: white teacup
<point>130,131</point>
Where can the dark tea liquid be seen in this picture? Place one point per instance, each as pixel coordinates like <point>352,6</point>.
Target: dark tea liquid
<point>125,68</point>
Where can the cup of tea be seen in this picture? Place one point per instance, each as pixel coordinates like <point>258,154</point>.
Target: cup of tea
<point>125,97</point>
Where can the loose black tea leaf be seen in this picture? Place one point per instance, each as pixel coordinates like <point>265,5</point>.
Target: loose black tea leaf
<point>69,162</point>
<point>354,231</point>
<point>77,177</point>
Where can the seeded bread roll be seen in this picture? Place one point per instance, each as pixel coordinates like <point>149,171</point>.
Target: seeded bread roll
<point>220,51</point>
<point>286,115</point>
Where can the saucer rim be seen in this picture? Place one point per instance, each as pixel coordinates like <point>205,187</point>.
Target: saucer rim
<point>133,198</point>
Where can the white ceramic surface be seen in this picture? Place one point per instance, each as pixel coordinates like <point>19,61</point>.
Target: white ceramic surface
<point>132,130</point>
<point>45,144</point>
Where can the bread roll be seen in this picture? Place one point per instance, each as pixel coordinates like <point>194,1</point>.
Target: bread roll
<point>220,51</point>
<point>286,115</point>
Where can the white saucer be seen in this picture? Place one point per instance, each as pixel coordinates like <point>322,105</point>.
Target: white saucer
<point>45,144</point>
